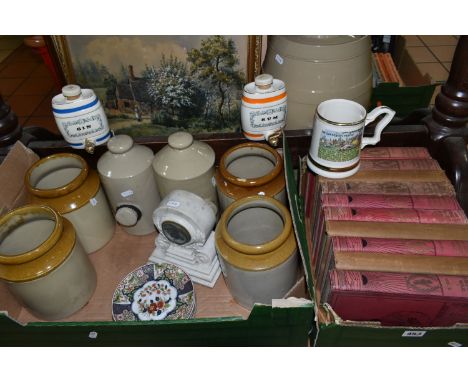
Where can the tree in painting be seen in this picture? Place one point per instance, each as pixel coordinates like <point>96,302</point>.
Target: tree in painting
<point>170,87</point>
<point>215,63</point>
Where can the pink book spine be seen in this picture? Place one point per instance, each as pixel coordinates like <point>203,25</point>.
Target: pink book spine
<point>398,164</point>
<point>400,283</point>
<point>390,201</point>
<point>388,188</point>
<point>401,246</point>
<point>395,153</point>
<point>396,215</point>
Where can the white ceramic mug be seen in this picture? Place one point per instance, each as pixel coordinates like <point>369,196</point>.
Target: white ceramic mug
<point>337,137</point>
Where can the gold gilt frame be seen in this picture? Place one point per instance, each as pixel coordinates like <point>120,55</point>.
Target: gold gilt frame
<point>62,56</point>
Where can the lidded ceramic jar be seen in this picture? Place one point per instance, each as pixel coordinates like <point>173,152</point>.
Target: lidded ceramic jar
<point>264,109</point>
<point>128,179</point>
<point>250,169</point>
<point>67,184</point>
<point>319,68</point>
<point>257,250</point>
<point>43,263</point>
<point>80,118</point>
<point>186,164</point>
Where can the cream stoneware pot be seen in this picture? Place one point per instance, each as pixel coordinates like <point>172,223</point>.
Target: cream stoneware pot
<point>66,183</point>
<point>264,108</point>
<point>250,169</point>
<point>128,179</point>
<point>337,137</point>
<point>186,164</point>
<point>48,272</point>
<point>257,250</point>
<point>317,68</point>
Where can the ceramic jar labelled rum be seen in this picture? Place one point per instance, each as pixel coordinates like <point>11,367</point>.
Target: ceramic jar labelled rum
<point>186,164</point>
<point>264,109</point>
<point>128,179</point>
<point>257,250</point>
<point>250,169</point>
<point>66,183</point>
<point>43,263</point>
<point>80,118</point>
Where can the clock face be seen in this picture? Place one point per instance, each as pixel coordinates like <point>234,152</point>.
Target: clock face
<point>175,232</point>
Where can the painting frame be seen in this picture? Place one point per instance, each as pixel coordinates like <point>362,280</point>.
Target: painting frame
<point>175,94</point>
<point>61,54</point>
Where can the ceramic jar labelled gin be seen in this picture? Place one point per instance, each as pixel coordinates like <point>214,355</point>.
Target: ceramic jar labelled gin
<point>128,179</point>
<point>250,169</point>
<point>80,118</point>
<point>66,183</point>
<point>186,164</point>
<point>43,263</point>
<point>257,250</point>
<point>264,109</point>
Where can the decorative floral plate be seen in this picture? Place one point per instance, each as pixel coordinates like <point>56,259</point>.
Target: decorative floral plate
<point>158,291</point>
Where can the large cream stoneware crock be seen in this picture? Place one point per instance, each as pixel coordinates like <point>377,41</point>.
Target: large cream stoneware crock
<point>67,184</point>
<point>318,68</point>
<point>43,263</point>
<point>257,250</point>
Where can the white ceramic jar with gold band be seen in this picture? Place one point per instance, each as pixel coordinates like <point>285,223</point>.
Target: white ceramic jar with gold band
<point>257,250</point>
<point>49,271</point>
<point>66,183</point>
<point>250,169</point>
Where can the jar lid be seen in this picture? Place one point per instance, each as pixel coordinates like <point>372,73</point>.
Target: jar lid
<point>42,258</point>
<point>124,159</point>
<point>183,158</point>
<point>264,80</point>
<point>71,90</point>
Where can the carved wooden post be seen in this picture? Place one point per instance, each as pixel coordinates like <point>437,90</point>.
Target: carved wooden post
<point>10,130</point>
<point>450,113</point>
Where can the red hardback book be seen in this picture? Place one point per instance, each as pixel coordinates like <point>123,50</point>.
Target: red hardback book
<point>401,246</point>
<point>423,202</point>
<point>398,164</point>
<point>399,298</point>
<point>395,153</point>
<point>397,215</point>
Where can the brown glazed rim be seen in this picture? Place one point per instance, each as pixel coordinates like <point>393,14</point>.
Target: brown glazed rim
<point>255,257</point>
<point>70,197</point>
<point>251,182</point>
<point>60,191</point>
<point>47,256</point>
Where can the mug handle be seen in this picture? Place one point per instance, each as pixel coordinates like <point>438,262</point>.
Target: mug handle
<point>380,126</point>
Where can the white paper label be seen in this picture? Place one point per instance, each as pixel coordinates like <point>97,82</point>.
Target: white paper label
<point>454,344</point>
<point>173,203</point>
<point>279,59</point>
<point>127,193</point>
<point>93,201</point>
<point>92,335</point>
<point>413,333</point>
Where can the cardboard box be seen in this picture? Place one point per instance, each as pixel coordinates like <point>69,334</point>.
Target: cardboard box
<point>332,330</point>
<point>219,319</point>
<point>417,92</point>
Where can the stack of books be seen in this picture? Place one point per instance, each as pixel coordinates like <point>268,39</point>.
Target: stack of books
<point>384,69</point>
<point>389,244</point>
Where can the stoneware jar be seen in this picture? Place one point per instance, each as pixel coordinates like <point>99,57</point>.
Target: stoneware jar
<point>49,272</point>
<point>186,164</point>
<point>264,109</point>
<point>80,118</point>
<point>128,179</point>
<point>317,68</point>
<point>250,169</point>
<point>66,183</point>
<point>257,250</point>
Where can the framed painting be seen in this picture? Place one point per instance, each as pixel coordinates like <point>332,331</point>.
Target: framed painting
<point>155,85</point>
